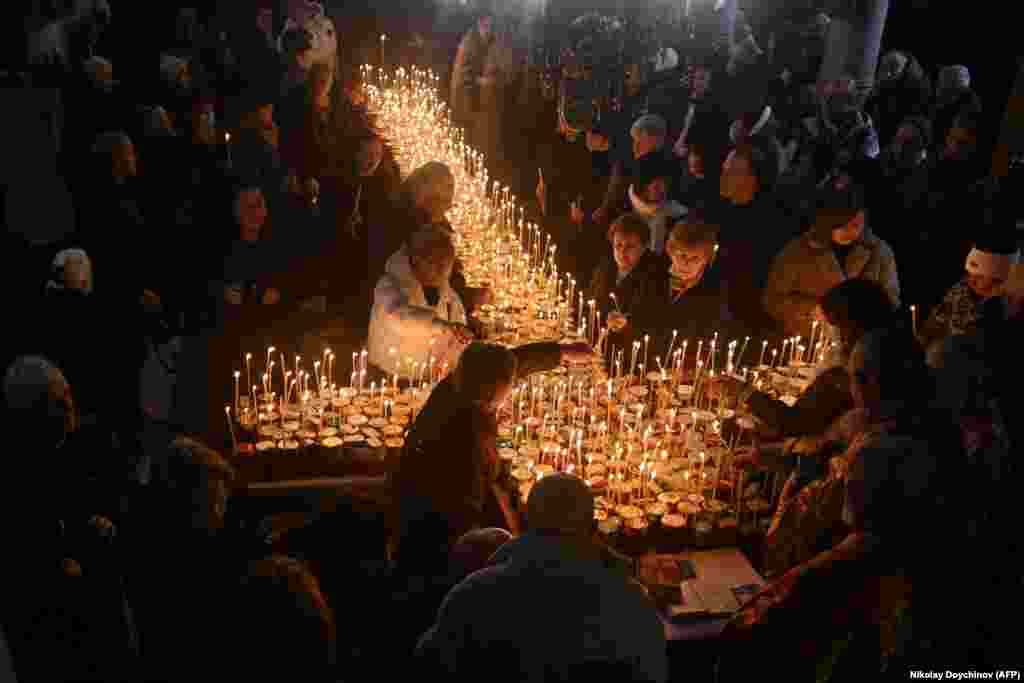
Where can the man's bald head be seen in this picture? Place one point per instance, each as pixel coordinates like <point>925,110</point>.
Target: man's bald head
<point>561,504</point>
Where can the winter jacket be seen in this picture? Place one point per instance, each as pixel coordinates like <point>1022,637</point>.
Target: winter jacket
<point>611,618</point>
<point>806,269</point>
<point>750,237</point>
<point>695,314</point>
<point>640,291</point>
<point>401,319</point>
<point>960,312</point>
<point>443,479</point>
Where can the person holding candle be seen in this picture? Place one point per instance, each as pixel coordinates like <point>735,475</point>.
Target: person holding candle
<point>414,304</point>
<point>446,480</point>
<point>840,246</point>
<point>628,281</point>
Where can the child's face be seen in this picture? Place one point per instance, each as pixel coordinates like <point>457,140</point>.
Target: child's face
<point>984,285</point>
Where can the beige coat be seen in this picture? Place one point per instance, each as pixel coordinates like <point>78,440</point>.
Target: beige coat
<point>805,269</point>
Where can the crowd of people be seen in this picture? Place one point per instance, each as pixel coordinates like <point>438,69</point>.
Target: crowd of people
<point>241,193</point>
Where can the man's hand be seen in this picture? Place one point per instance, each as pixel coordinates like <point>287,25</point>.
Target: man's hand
<point>577,352</point>
<point>617,321</point>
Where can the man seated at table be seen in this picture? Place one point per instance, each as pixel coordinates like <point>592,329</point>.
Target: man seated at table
<point>488,625</point>
<point>416,313</point>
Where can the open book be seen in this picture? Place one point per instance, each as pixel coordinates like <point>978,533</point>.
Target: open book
<point>724,582</point>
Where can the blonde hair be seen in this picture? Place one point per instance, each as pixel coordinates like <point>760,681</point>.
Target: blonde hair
<point>432,179</point>
<point>690,233</point>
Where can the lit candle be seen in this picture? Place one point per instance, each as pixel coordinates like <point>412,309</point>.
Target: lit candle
<point>237,376</point>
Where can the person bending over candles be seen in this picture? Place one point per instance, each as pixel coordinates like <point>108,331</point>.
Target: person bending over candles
<point>875,593</point>
<point>414,304</point>
<point>977,298</point>
<point>446,479</point>
<point>633,276</point>
<point>815,428</point>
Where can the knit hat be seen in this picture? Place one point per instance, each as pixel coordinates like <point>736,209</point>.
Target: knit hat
<point>560,503</point>
<point>993,256</point>
<point>74,265</point>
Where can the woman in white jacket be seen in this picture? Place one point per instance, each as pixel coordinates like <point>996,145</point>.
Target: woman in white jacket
<point>414,305</point>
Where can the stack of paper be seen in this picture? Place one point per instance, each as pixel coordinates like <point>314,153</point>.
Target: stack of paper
<point>724,582</point>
